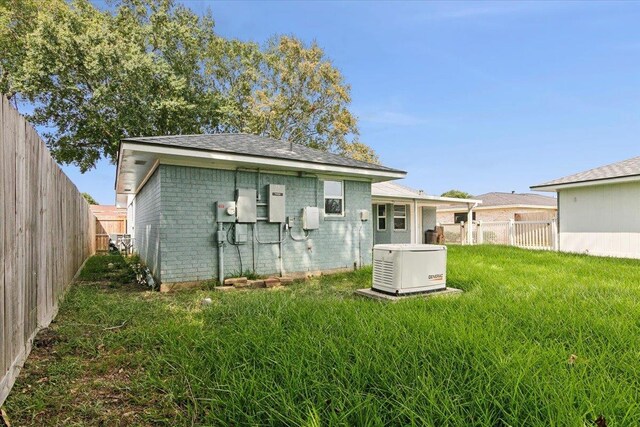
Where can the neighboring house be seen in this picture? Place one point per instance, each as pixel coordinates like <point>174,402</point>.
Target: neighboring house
<point>403,215</point>
<point>177,188</point>
<point>498,206</point>
<point>599,210</point>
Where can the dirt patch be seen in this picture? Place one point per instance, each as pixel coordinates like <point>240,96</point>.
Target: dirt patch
<point>45,340</point>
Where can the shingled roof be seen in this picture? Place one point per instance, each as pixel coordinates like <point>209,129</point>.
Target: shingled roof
<point>625,168</point>
<point>256,145</point>
<point>510,199</point>
<point>393,190</point>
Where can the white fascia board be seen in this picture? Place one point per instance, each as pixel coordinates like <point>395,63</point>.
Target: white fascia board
<point>263,162</point>
<point>557,187</point>
<point>425,200</point>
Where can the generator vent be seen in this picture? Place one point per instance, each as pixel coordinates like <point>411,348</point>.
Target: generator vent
<point>382,273</point>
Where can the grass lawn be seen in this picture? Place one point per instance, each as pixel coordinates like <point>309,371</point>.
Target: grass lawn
<point>538,338</point>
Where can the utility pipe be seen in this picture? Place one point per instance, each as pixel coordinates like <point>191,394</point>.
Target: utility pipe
<point>220,237</point>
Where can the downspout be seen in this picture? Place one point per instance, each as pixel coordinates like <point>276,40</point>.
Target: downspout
<point>221,237</point>
<point>280,247</point>
<point>416,233</point>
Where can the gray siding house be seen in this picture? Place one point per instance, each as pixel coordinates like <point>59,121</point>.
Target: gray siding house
<point>206,207</point>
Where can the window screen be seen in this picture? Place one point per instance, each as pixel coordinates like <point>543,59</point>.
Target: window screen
<point>399,217</point>
<point>382,217</point>
<point>333,198</point>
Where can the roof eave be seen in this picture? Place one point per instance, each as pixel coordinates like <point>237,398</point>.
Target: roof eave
<point>586,183</point>
<point>242,160</point>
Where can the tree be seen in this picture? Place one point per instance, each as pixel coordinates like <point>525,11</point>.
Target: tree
<point>96,77</point>
<point>149,67</point>
<point>459,194</point>
<point>294,93</point>
<point>90,199</point>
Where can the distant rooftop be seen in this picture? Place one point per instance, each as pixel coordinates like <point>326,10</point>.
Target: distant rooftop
<point>508,199</point>
<point>623,169</point>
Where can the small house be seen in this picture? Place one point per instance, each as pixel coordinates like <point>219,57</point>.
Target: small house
<point>207,207</point>
<point>498,206</point>
<point>599,210</point>
<point>404,215</point>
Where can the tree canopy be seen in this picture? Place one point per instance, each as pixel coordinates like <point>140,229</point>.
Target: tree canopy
<point>459,194</point>
<point>151,67</point>
<point>90,199</point>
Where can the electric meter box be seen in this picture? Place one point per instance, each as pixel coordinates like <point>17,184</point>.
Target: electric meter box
<point>246,205</point>
<point>225,211</point>
<point>364,215</point>
<point>276,203</point>
<point>310,218</point>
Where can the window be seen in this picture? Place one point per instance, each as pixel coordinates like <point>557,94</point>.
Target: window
<point>333,198</point>
<point>462,216</point>
<point>382,217</point>
<point>399,217</point>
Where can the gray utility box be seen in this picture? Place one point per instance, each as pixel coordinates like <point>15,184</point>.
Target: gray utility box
<point>241,233</point>
<point>310,218</point>
<point>246,205</point>
<point>276,203</point>
<point>225,211</point>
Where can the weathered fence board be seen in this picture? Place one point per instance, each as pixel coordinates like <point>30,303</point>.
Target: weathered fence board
<point>46,232</point>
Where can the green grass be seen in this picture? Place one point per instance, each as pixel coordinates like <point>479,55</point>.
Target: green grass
<point>314,354</point>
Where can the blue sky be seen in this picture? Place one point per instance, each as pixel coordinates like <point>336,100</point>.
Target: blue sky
<point>479,96</point>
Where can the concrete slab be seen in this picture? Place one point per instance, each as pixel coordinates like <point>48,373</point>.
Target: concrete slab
<point>370,293</point>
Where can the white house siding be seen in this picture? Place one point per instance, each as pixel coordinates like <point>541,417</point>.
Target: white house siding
<point>601,220</point>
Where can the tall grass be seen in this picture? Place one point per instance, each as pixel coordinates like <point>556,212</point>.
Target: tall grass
<point>538,338</point>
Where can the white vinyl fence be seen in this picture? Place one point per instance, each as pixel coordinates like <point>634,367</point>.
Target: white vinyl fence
<point>524,234</point>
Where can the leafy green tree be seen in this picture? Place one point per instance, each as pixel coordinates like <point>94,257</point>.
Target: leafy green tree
<point>457,194</point>
<point>90,199</point>
<point>300,96</point>
<point>150,67</point>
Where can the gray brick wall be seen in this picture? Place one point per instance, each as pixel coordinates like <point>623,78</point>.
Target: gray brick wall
<point>187,225</point>
<point>147,224</point>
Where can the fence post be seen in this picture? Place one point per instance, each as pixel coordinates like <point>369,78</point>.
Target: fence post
<point>480,236</point>
<point>463,240</point>
<point>554,235</point>
<point>512,233</point>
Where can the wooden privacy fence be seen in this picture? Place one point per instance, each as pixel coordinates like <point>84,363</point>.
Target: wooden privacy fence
<point>524,234</point>
<point>109,220</point>
<point>46,233</point>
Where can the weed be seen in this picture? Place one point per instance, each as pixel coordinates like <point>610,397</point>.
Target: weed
<point>315,354</point>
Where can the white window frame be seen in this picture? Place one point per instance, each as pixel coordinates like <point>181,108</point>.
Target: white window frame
<point>400,216</point>
<point>324,205</point>
<point>378,217</point>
